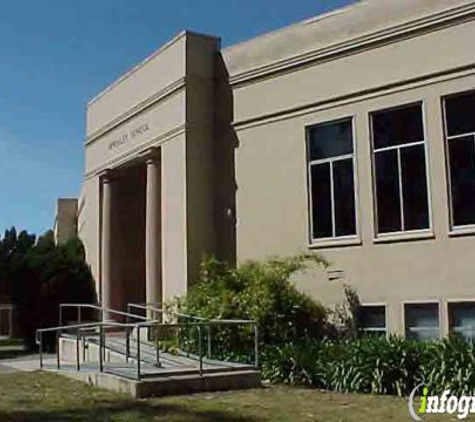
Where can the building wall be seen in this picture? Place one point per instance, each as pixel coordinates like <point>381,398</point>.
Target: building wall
<point>270,117</point>
<point>65,226</point>
<point>163,104</point>
<point>89,224</point>
<point>230,127</point>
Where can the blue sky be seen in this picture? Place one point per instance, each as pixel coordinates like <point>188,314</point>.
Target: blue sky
<point>57,54</point>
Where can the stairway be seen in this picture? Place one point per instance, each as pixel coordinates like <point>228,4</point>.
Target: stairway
<point>175,374</point>
<point>121,363</point>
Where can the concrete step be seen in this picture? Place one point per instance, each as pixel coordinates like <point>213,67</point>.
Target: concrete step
<point>171,384</point>
<point>177,374</point>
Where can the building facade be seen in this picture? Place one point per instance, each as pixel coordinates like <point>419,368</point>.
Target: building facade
<point>65,222</point>
<point>351,134</point>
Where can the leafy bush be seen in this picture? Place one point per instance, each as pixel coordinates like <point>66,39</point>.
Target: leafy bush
<point>450,364</point>
<point>304,343</point>
<point>374,365</point>
<point>257,291</point>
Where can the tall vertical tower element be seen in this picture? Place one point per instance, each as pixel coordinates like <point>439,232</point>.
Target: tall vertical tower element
<point>65,222</point>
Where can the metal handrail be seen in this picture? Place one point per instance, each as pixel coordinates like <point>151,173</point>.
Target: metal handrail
<point>197,322</point>
<point>209,323</point>
<point>58,330</point>
<point>102,309</point>
<point>152,307</point>
<point>101,325</point>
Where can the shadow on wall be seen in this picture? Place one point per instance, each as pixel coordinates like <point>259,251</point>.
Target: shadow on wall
<point>226,142</point>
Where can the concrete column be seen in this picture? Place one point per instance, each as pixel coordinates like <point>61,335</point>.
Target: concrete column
<point>153,252</point>
<point>106,245</point>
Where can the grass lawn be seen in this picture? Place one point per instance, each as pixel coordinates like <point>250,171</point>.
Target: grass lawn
<point>49,397</point>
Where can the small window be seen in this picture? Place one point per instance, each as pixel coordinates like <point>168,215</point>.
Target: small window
<point>462,319</point>
<point>331,180</point>
<point>372,320</point>
<point>460,132</point>
<point>422,321</point>
<point>400,176</point>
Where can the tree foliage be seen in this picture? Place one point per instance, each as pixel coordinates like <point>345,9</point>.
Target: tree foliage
<point>37,275</point>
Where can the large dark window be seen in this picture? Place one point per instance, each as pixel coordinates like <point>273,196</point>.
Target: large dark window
<point>331,178</point>
<point>372,320</point>
<point>400,170</point>
<point>422,321</point>
<point>462,319</point>
<point>460,132</point>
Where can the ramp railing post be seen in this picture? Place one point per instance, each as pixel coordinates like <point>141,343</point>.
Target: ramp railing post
<point>157,348</point>
<point>199,346</point>
<point>41,348</point>
<point>83,337</point>
<point>101,340</point>
<point>138,352</point>
<point>78,365</point>
<point>10,332</point>
<point>209,341</point>
<point>256,345</point>
<point>127,344</point>
<point>58,363</point>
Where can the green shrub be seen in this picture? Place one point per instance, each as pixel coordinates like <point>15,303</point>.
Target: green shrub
<point>374,365</point>
<point>306,344</point>
<point>450,364</point>
<point>257,291</point>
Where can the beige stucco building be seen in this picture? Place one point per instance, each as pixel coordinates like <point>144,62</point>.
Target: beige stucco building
<point>65,222</point>
<point>351,134</point>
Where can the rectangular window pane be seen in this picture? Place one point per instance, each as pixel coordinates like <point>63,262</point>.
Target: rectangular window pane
<point>462,319</point>
<point>462,180</point>
<point>387,191</point>
<point>460,114</point>
<point>414,188</point>
<point>422,321</point>
<point>321,201</point>
<point>372,319</point>
<point>398,126</point>
<point>344,193</point>
<point>330,140</point>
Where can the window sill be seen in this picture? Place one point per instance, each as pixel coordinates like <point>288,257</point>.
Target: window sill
<point>335,243</point>
<point>462,231</point>
<point>403,237</point>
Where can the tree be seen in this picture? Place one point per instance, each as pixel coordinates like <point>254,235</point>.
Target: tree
<point>38,275</point>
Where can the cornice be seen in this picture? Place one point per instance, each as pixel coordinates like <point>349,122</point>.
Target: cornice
<point>156,53</point>
<point>354,97</point>
<point>137,151</point>
<point>155,98</point>
<point>407,29</point>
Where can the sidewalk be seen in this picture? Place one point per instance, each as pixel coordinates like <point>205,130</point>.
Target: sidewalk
<point>24,363</point>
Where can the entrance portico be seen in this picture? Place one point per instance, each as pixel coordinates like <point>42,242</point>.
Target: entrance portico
<point>147,210</point>
<point>131,233</point>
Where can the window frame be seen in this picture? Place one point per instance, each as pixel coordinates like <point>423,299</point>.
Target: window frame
<point>440,309</point>
<point>400,234</point>
<point>332,240</point>
<point>464,228</point>
<point>375,329</point>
